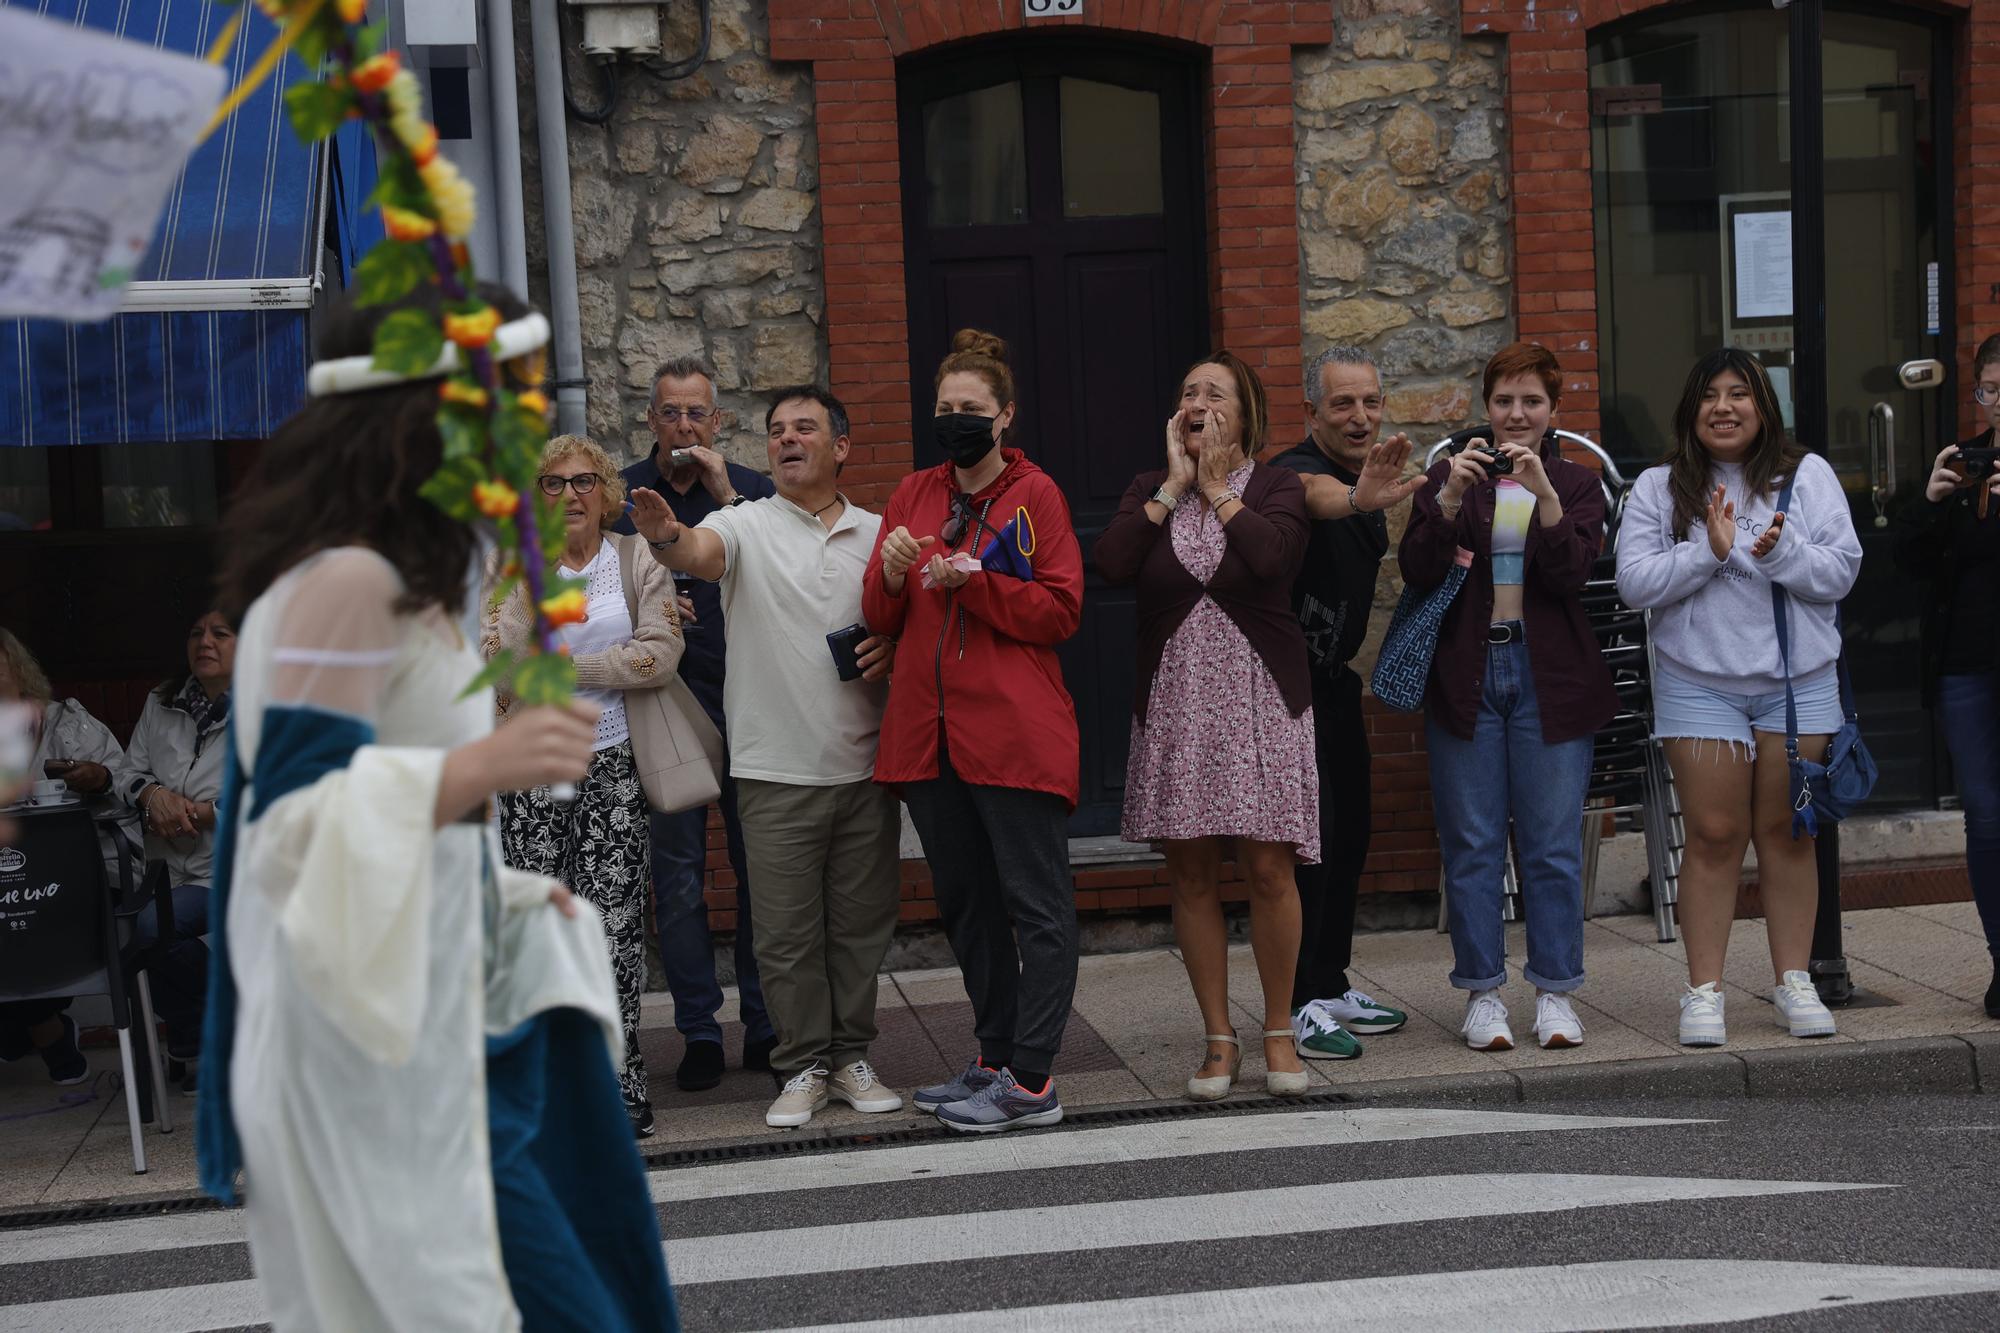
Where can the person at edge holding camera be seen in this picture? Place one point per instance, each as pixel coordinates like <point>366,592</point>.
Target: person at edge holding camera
<point>804,700</point>
<point>1951,537</point>
<point>979,570</point>
<point>1701,543</point>
<point>1517,690</point>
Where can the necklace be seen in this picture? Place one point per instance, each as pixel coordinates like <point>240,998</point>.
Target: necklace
<point>828,505</point>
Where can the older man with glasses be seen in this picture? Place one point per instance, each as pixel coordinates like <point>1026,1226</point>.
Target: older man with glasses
<point>696,481</point>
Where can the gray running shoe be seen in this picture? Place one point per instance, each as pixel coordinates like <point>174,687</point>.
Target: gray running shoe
<point>975,1077</point>
<point>1000,1105</point>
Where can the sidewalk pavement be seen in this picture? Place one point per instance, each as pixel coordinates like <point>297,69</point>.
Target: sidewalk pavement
<point>1136,1036</point>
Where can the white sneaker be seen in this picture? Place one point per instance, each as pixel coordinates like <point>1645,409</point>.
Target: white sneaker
<point>1701,1016</point>
<point>1359,1012</point>
<point>1799,1006</point>
<point>1556,1023</point>
<point>859,1088</point>
<point>1485,1027</point>
<point>801,1098</point>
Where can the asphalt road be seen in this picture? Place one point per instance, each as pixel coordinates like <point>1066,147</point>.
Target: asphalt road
<point>1871,1213</point>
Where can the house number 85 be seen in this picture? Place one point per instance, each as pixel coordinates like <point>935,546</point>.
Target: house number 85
<point>1051,9</point>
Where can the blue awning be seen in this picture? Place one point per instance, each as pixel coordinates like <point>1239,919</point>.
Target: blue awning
<point>213,344</point>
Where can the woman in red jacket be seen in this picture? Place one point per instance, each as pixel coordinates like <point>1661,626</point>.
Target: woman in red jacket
<point>1222,732</point>
<point>977,571</point>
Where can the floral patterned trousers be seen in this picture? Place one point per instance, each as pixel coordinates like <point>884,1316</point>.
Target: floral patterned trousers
<point>598,845</point>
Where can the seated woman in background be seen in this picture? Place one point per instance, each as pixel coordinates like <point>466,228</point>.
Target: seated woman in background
<point>1951,538</point>
<point>1517,691</point>
<point>172,776</point>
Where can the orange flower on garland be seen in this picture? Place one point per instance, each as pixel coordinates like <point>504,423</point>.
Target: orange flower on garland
<point>373,74</point>
<point>472,331</point>
<point>351,11</point>
<point>404,225</point>
<point>566,608</point>
<point>495,499</point>
<point>465,395</point>
<point>534,400</point>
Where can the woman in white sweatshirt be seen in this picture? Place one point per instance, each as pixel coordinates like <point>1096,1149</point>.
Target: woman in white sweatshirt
<point>1701,545</point>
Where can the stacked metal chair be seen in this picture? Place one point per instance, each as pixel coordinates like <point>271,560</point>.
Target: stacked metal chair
<point>1629,780</point>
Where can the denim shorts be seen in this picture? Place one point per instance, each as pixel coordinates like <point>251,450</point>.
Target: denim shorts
<point>1684,710</point>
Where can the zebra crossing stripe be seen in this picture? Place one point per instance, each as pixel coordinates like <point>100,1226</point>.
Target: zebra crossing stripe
<point>1146,1141</point>
<point>1287,1211</point>
<point>1630,1293</point>
<point>1140,1142</point>
<point>179,1309</point>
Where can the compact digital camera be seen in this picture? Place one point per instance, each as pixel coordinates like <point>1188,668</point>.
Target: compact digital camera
<point>1498,464</point>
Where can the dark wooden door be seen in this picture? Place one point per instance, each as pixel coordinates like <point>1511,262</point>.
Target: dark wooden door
<point>1052,194</point>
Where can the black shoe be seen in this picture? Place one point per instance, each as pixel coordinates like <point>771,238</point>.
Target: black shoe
<point>641,1115</point>
<point>1993,994</point>
<point>65,1059</point>
<point>700,1068</point>
<point>757,1054</point>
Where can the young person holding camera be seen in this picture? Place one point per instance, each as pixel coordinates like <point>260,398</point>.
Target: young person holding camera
<point>1517,690</point>
<point>978,570</point>
<point>1701,544</point>
<point>1951,537</point>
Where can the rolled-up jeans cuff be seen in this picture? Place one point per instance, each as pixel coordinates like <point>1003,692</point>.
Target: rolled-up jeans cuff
<point>1540,982</point>
<point>1476,984</point>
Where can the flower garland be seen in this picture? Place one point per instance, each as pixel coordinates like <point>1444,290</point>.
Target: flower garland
<point>493,432</point>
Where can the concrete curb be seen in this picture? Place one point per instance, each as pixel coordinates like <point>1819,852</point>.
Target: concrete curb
<point>1968,1063</point>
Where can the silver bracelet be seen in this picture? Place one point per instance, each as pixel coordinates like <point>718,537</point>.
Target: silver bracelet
<point>1355,504</point>
<point>661,546</point>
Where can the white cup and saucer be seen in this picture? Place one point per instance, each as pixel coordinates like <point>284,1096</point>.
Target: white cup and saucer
<point>50,792</point>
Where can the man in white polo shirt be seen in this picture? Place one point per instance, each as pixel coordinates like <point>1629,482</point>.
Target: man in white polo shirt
<point>819,834</point>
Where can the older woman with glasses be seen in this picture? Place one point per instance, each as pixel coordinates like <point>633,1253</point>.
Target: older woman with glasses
<point>597,842</point>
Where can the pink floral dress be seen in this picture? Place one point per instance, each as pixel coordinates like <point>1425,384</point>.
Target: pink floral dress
<point>1220,754</point>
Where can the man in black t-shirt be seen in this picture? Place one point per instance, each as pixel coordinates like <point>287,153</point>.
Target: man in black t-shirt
<point>1333,595</point>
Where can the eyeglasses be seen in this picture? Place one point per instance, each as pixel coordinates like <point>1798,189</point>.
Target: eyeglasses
<point>1986,394</point>
<point>583,483</point>
<point>671,415</point>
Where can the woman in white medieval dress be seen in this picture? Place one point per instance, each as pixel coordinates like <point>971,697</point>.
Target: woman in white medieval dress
<point>417,1045</point>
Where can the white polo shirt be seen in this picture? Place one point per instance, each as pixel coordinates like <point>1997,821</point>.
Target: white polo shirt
<point>790,581</point>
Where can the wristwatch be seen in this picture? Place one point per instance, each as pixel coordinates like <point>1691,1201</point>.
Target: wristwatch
<point>1355,504</point>
<point>1166,499</point>
<point>661,546</point>
<point>737,499</point>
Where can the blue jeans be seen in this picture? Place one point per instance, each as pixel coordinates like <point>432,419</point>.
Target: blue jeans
<point>1507,770</point>
<point>1970,709</point>
<point>680,858</point>
<point>180,977</point>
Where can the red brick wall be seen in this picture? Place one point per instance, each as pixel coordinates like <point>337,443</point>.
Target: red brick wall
<point>1976,181</point>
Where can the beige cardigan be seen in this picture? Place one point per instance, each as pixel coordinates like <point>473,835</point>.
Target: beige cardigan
<point>654,648</point>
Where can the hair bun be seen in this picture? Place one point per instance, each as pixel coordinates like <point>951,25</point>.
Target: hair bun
<point>980,343</point>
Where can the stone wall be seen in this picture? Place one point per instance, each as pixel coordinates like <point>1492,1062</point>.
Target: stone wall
<point>1403,213</point>
<point>697,228</point>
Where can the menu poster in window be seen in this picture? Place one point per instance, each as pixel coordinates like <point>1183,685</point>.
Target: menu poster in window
<point>93,132</point>
<point>1762,248</point>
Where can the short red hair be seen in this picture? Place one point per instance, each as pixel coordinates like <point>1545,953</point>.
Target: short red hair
<point>1523,359</point>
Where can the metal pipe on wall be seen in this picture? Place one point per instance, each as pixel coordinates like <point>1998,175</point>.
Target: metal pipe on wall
<point>504,103</point>
<point>552,134</point>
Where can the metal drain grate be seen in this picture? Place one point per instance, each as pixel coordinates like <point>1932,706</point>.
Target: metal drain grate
<point>108,1210</point>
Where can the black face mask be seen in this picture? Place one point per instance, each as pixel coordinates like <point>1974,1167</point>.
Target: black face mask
<point>964,438</point>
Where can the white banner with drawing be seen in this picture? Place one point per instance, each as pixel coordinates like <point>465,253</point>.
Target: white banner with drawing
<point>94,130</point>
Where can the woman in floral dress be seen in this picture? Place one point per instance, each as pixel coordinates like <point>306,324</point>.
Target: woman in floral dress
<point>1222,737</point>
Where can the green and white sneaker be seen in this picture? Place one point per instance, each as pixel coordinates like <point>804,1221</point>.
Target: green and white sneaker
<point>1359,1013</point>
<point>1317,1036</point>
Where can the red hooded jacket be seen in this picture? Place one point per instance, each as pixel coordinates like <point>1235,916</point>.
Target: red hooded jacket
<point>980,660</point>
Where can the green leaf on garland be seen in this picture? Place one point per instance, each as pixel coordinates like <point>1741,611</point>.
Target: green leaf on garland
<point>450,488</point>
<point>369,40</point>
<point>316,109</point>
<point>545,678</point>
<point>390,271</point>
<point>518,438</point>
<point>398,185</point>
<point>463,430</point>
<point>313,40</point>
<point>493,673</point>
<point>407,342</point>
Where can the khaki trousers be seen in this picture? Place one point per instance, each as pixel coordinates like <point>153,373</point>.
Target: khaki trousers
<point>825,866</point>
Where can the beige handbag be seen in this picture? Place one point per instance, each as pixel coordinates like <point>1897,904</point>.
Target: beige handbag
<point>678,750</point>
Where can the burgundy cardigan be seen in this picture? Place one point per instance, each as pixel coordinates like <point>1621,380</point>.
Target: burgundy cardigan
<point>1573,688</point>
<point>1253,585</point>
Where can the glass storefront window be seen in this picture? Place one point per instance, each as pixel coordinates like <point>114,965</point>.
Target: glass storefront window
<point>976,158</point>
<point>26,500</point>
<point>1110,150</point>
<point>158,485</point>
